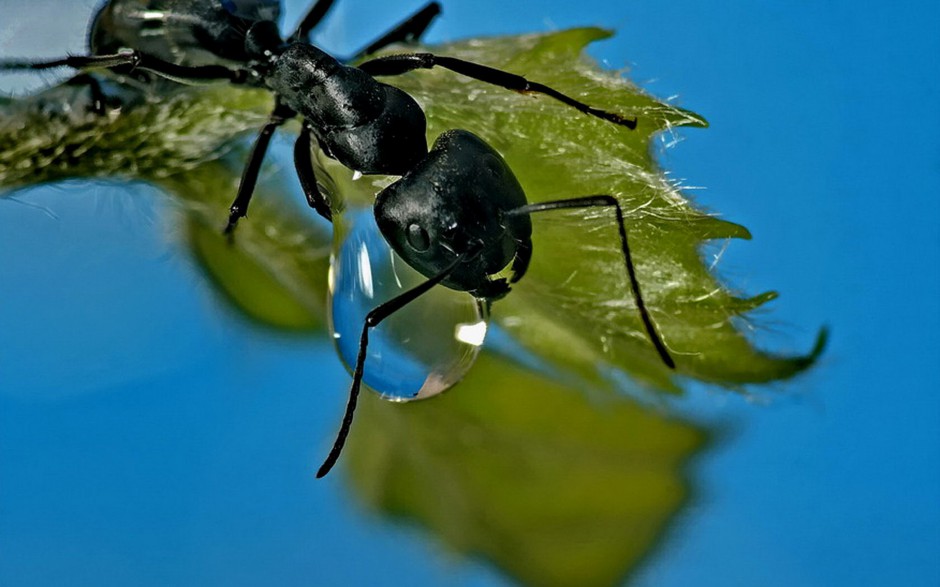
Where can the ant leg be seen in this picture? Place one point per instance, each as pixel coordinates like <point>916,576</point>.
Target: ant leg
<point>99,100</point>
<point>373,318</point>
<point>408,31</point>
<point>137,60</point>
<point>310,21</point>
<point>73,61</point>
<point>399,64</point>
<point>246,186</point>
<point>591,201</point>
<point>308,178</point>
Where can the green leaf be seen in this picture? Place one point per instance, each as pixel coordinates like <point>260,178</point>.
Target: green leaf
<point>575,308</point>
<point>274,272</point>
<point>526,472</point>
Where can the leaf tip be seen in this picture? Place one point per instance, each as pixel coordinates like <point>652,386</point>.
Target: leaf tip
<point>822,340</point>
<point>762,298</point>
<point>689,118</point>
<point>697,121</point>
<point>597,33</point>
<point>809,359</point>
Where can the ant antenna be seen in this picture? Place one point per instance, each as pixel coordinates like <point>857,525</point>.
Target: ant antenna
<point>373,318</point>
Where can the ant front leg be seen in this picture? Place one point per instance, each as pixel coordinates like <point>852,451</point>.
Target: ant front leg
<point>246,186</point>
<point>303,163</point>
<point>399,64</point>
<point>609,201</point>
<point>373,319</point>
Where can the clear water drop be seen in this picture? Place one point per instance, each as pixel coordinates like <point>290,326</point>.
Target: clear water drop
<point>421,350</point>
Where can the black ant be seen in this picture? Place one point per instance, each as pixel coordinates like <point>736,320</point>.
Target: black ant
<point>457,215</point>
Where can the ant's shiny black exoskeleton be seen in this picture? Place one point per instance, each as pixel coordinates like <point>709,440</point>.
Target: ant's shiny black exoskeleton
<point>457,215</point>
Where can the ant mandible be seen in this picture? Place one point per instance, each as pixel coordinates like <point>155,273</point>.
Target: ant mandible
<point>457,214</point>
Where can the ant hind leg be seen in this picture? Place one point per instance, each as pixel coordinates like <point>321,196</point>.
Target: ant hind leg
<point>400,64</point>
<point>408,31</point>
<point>310,21</point>
<point>303,163</point>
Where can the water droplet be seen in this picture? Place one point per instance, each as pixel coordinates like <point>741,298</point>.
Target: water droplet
<point>420,350</point>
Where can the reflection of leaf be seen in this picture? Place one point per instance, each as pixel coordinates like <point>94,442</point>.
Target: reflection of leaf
<point>528,473</point>
<point>250,286</point>
<point>275,270</point>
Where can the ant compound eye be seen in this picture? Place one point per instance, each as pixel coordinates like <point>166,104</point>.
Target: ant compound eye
<point>418,238</point>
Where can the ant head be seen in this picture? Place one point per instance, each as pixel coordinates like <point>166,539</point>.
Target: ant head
<point>418,224</point>
<point>451,204</point>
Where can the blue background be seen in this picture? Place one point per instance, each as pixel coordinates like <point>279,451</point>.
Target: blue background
<point>181,449</point>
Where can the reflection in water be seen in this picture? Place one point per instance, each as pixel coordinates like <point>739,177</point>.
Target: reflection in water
<point>421,350</point>
<point>550,485</point>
